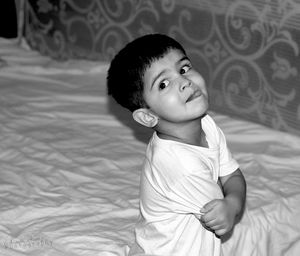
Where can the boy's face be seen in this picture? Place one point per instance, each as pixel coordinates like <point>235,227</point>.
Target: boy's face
<point>173,90</point>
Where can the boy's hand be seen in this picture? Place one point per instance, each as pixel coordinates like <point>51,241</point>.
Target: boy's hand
<point>218,216</point>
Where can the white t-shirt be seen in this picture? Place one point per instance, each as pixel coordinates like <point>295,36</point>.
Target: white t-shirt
<point>177,181</point>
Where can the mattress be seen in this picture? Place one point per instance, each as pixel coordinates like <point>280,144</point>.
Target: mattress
<point>70,160</point>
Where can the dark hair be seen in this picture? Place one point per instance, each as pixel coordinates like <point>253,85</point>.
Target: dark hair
<point>126,71</point>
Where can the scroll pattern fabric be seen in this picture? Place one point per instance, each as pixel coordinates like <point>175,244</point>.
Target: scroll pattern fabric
<point>247,50</point>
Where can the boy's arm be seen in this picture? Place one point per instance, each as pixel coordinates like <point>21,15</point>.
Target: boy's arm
<point>234,189</point>
<point>220,215</point>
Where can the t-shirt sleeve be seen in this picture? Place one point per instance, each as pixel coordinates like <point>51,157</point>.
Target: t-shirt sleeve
<point>192,192</point>
<point>187,184</point>
<point>227,163</point>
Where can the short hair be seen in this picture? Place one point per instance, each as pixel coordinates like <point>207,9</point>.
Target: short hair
<point>126,71</point>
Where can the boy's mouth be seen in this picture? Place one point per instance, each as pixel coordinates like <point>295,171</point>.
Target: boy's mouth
<point>194,95</point>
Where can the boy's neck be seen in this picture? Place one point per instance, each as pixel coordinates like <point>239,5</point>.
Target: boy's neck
<point>189,133</point>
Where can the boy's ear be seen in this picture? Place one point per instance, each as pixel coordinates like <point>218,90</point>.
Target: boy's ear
<point>145,117</point>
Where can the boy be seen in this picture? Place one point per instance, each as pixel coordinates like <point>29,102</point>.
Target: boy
<point>189,174</point>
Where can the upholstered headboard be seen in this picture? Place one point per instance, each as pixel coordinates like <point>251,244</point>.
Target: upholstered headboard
<point>247,50</point>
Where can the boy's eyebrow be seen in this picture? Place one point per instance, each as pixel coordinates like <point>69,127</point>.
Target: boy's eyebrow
<point>184,58</point>
<point>160,73</point>
<point>156,77</point>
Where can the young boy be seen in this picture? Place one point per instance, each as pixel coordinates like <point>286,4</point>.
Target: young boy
<point>189,174</point>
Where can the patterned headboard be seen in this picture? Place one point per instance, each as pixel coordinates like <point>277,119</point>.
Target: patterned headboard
<point>247,50</point>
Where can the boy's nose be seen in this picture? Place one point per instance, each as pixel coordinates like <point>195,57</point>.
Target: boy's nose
<point>184,83</point>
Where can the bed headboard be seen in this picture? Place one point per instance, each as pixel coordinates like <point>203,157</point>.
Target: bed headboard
<point>247,50</point>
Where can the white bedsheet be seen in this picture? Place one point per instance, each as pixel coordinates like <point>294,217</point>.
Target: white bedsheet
<point>70,161</point>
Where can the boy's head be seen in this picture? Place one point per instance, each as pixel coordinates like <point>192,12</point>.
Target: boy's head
<point>126,72</point>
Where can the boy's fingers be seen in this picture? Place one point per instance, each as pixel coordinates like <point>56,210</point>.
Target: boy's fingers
<point>215,226</point>
<point>203,210</point>
<point>209,206</point>
<point>209,218</point>
<point>220,232</point>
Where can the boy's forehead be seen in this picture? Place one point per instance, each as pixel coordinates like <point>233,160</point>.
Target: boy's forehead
<point>172,57</point>
<point>160,65</point>
<point>175,52</point>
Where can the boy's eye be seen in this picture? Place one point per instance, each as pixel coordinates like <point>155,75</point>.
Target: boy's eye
<point>164,84</point>
<point>185,69</point>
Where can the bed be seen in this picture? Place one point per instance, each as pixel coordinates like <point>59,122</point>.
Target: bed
<point>70,157</point>
<point>70,160</point>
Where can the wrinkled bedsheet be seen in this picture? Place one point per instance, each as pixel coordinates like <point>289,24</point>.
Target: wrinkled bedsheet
<point>70,161</point>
